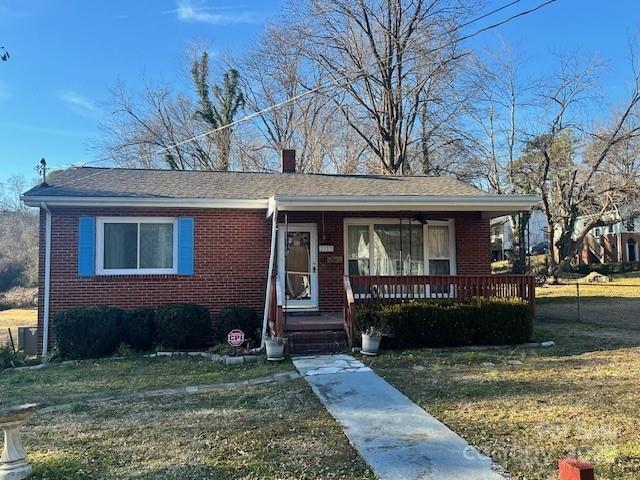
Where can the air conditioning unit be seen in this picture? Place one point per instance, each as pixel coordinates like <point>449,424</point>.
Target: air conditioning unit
<point>28,340</point>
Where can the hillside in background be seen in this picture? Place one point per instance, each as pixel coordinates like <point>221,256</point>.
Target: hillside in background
<point>18,252</point>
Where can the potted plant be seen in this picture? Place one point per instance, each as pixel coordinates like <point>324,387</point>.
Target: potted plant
<point>373,327</point>
<point>275,348</point>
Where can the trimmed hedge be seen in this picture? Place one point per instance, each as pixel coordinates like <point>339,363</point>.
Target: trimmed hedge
<point>137,328</point>
<point>92,332</point>
<point>451,323</point>
<point>182,325</point>
<point>244,318</point>
<point>87,332</point>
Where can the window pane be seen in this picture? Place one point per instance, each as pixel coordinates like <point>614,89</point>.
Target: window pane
<point>398,250</point>
<point>298,266</point>
<point>156,245</point>
<point>439,267</point>
<point>438,242</point>
<point>120,245</point>
<point>358,249</point>
<point>412,251</point>
<point>386,249</point>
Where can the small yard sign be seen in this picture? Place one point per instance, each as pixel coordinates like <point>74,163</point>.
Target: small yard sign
<point>235,338</point>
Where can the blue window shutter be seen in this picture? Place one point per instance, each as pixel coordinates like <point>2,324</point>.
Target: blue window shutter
<point>185,246</point>
<point>86,246</point>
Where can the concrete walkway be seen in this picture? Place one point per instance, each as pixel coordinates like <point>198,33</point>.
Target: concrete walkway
<point>394,436</point>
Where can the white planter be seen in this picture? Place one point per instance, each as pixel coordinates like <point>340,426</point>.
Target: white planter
<point>275,348</point>
<point>370,344</point>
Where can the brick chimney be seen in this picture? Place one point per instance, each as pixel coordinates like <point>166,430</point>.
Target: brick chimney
<point>288,161</point>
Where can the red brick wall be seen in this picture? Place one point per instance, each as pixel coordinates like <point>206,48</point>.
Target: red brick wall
<point>231,259</point>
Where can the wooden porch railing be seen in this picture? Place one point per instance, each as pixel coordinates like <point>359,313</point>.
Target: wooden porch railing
<point>276,308</point>
<point>369,290</point>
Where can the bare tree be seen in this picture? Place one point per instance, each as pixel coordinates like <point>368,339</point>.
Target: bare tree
<point>383,56</point>
<point>276,71</point>
<point>148,133</point>
<point>581,174</point>
<point>10,192</point>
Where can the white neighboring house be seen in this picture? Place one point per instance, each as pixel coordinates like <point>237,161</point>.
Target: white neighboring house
<point>503,234</point>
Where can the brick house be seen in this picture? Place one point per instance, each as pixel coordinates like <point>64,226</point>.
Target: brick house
<point>287,244</point>
<point>618,242</point>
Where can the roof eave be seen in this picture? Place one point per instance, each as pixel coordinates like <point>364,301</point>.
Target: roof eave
<point>494,204</point>
<point>498,204</point>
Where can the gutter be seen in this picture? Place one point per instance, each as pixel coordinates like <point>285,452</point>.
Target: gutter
<point>273,210</point>
<point>47,280</point>
<point>71,201</point>
<point>489,203</point>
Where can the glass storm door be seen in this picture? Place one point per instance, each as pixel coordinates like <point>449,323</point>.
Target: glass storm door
<point>298,265</point>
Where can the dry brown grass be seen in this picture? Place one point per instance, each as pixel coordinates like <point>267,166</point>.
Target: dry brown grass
<point>277,430</point>
<point>579,396</point>
<point>19,297</point>
<point>14,318</point>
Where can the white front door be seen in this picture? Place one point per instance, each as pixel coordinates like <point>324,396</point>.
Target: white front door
<point>298,265</point>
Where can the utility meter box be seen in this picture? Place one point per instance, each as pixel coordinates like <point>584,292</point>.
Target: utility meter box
<point>28,340</point>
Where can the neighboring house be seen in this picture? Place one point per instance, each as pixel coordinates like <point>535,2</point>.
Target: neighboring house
<point>503,234</point>
<point>131,238</point>
<point>615,243</point>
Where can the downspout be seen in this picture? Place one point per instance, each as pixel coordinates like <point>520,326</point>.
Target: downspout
<point>47,280</point>
<point>273,209</point>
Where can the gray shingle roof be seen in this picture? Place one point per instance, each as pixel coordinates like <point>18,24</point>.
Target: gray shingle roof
<point>137,183</point>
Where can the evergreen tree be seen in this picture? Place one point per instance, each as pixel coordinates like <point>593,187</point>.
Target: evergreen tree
<point>228,101</point>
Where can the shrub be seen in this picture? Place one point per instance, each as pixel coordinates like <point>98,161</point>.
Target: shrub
<point>87,332</point>
<point>137,328</point>
<point>449,323</point>
<point>244,318</point>
<point>11,273</point>
<point>607,268</point>
<point>9,358</point>
<point>182,325</point>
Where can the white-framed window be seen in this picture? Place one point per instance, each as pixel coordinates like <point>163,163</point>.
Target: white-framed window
<point>386,246</point>
<point>136,245</point>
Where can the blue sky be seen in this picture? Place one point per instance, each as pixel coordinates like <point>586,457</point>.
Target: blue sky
<point>67,54</point>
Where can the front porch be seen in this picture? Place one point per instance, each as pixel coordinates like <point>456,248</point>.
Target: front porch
<point>334,331</point>
<point>327,263</point>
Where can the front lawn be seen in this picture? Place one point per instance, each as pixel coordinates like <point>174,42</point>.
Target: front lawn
<point>276,430</point>
<point>579,396</point>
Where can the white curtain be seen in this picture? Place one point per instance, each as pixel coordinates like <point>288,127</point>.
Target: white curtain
<point>438,241</point>
<point>358,249</point>
<point>386,249</point>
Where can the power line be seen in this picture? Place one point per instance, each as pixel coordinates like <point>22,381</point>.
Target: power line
<point>346,76</point>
